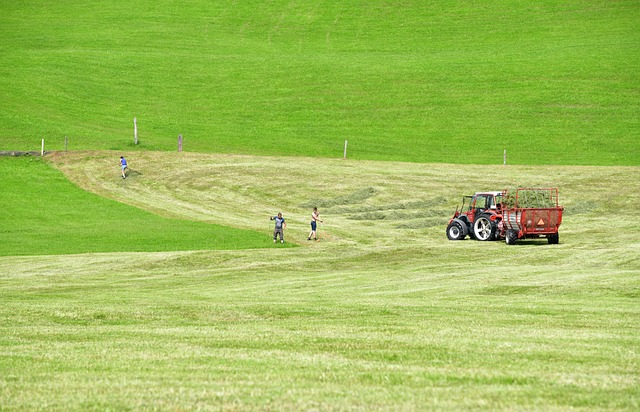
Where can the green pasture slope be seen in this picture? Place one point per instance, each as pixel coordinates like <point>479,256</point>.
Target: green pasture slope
<point>383,313</point>
<point>45,214</point>
<point>423,81</point>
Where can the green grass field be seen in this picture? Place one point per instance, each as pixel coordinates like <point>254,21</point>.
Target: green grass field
<point>383,313</point>
<point>49,215</point>
<point>422,81</point>
<point>164,291</point>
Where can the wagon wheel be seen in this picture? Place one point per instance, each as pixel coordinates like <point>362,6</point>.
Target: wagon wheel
<point>484,228</point>
<point>553,239</point>
<point>511,237</point>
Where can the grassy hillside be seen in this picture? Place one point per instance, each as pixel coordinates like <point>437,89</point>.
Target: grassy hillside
<point>383,313</point>
<point>43,213</point>
<point>553,82</point>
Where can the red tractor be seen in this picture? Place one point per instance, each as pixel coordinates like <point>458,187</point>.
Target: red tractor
<point>478,217</point>
<point>509,214</point>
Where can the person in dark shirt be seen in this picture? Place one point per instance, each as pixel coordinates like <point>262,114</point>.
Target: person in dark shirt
<point>279,228</point>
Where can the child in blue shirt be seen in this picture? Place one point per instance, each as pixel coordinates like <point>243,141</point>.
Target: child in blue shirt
<point>123,164</point>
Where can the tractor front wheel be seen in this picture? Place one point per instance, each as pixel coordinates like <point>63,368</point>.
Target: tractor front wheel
<point>455,231</point>
<point>484,228</point>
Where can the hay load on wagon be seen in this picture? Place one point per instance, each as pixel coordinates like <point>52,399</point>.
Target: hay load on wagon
<point>530,198</point>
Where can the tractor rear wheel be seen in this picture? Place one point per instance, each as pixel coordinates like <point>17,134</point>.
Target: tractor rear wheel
<point>511,237</point>
<point>484,228</point>
<point>455,231</point>
<point>553,239</point>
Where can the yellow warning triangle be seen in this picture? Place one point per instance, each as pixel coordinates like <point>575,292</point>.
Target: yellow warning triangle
<point>540,222</point>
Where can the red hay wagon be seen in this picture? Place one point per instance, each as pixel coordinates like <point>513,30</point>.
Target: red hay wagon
<point>531,213</point>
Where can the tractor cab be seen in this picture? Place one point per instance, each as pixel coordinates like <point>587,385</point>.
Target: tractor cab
<point>488,200</point>
<point>479,203</point>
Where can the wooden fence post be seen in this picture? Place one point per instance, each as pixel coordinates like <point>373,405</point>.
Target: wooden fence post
<point>135,131</point>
